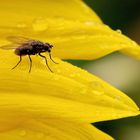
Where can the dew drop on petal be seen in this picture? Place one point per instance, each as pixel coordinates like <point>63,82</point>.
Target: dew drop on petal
<point>133,43</point>
<point>21,25</point>
<point>118,98</point>
<point>83,91</point>
<point>56,78</point>
<point>58,71</point>
<point>22,133</point>
<point>39,24</point>
<point>55,66</point>
<point>119,31</point>
<point>40,135</point>
<point>72,75</point>
<point>43,61</point>
<point>97,92</point>
<point>90,22</point>
<point>78,74</point>
<point>97,86</point>
<point>116,115</point>
<point>122,44</point>
<point>78,37</point>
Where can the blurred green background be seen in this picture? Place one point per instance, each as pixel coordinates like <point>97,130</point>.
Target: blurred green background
<point>119,70</point>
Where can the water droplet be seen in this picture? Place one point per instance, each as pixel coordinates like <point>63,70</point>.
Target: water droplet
<point>72,75</point>
<point>133,43</point>
<point>118,98</point>
<point>97,86</point>
<point>122,44</point>
<point>40,24</point>
<point>119,31</point>
<point>79,37</point>
<point>58,71</point>
<point>55,66</point>
<point>97,92</point>
<point>83,91</point>
<point>40,135</point>
<point>116,115</point>
<point>22,133</point>
<point>21,25</point>
<point>67,69</point>
<point>78,74</point>
<point>42,61</point>
<point>89,22</point>
<point>55,77</point>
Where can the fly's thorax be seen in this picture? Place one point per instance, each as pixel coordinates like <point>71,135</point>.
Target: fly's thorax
<point>39,47</point>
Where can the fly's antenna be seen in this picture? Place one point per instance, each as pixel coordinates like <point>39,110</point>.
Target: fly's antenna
<point>52,59</point>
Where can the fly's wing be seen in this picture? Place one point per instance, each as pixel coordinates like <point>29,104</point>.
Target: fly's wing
<point>18,39</point>
<point>16,42</point>
<point>9,46</point>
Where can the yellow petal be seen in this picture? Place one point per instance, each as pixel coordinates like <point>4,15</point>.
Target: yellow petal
<point>133,51</point>
<point>18,13</point>
<point>68,93</point>
<point>53,129</point>
<point>74,29</point>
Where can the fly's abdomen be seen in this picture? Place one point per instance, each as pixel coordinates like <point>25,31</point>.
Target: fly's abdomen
<point>23,51</point>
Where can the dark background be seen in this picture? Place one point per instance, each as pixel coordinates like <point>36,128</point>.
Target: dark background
<point>123,15</point>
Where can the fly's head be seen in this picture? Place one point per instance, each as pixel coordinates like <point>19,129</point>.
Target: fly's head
<point>47,47</point>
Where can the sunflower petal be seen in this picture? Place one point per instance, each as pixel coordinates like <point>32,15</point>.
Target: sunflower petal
<point>73,28</point>
<point>51,129</point>
<point>68,93</point>
<point>14,14</point>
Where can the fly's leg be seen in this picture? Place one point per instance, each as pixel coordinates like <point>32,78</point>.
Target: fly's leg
<point>17,63</point>
<point>30,63</point>
<point>52,59</point>
<point>45,61</point>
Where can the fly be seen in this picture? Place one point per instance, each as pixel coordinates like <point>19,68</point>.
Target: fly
<point>24,46</point>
